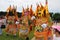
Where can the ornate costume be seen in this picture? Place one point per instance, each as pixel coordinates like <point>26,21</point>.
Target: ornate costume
<point>11,20</point>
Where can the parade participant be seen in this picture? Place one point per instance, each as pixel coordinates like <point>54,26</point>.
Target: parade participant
<point>11,21</point>
<point>24,26</point>
<point>43,24</point>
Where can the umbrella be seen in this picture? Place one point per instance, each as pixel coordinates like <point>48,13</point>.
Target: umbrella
<point>56,27</point>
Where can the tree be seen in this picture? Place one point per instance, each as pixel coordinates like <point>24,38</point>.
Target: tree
<point>56,17</point>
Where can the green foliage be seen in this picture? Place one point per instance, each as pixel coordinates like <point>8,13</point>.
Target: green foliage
<point>56,16</point>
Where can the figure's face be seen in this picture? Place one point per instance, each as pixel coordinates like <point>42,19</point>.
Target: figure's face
<point>38,22</point>
<point>41,26</point>
<point>9,17</point>
<point>26,12</point>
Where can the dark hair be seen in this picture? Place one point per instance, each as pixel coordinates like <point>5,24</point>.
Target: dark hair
<point>57,31</point>
<point>27,38</point>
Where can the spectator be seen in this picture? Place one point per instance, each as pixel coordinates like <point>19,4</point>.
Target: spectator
<point>0,26</point>
<point>56,35</point>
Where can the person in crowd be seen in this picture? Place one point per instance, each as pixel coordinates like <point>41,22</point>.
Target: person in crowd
<point>0,26</point>
<point>56,35</point>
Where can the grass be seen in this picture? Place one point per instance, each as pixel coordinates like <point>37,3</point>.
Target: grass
<point>10,37</point>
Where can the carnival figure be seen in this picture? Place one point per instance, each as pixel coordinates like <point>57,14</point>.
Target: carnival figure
<point>11,26</point>
<point>11,21</point>
<point>43,24</point>
<point>24,28</point>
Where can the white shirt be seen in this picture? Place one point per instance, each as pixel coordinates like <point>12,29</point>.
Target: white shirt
<point>4,21</point>
<point>56,38</point>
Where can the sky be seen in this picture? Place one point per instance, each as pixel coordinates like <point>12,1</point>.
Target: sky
<point>53,5</point>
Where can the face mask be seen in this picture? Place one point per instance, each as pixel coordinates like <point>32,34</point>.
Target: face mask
<point>44,26</point>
